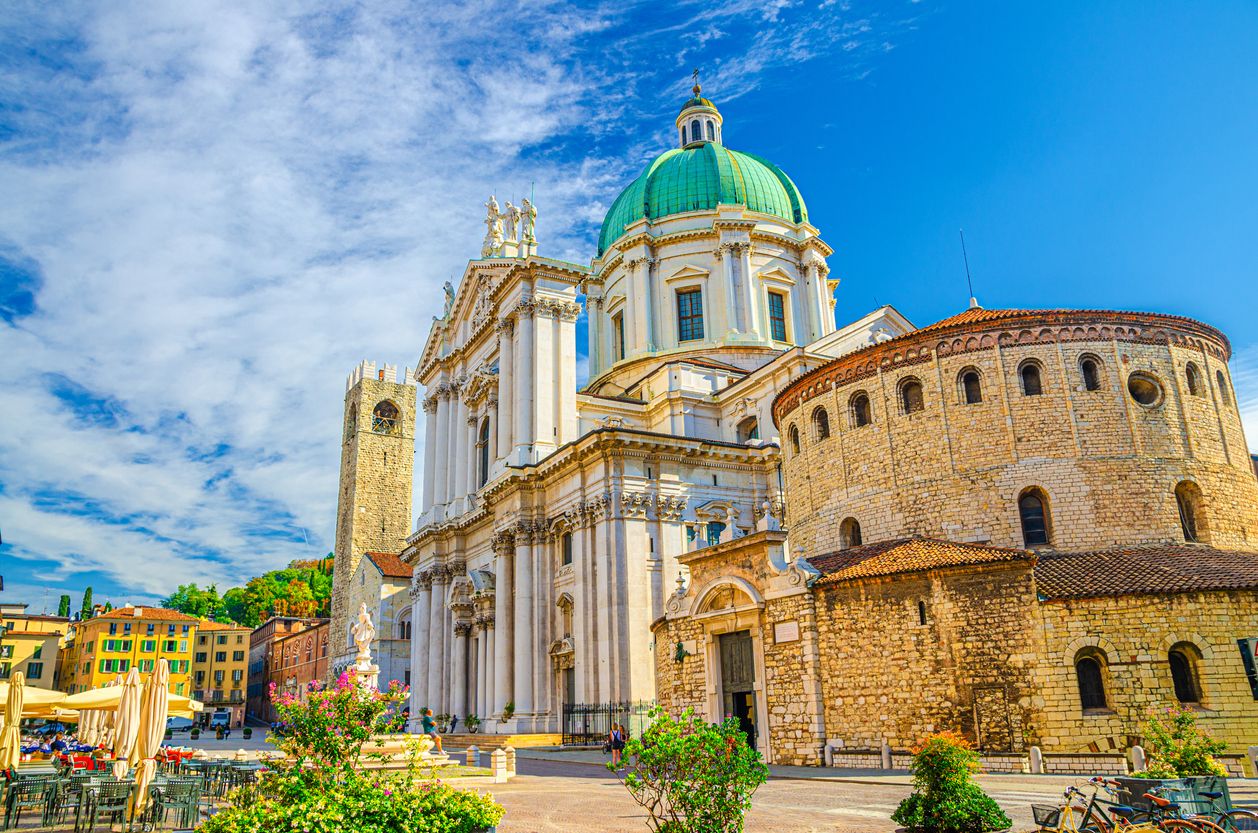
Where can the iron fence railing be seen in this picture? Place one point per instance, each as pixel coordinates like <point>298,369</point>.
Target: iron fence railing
<point>588,724</point>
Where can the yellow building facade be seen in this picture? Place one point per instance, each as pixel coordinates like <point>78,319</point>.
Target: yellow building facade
<point>30,643</point>
<point>220,668</point>
<point>111,644</point>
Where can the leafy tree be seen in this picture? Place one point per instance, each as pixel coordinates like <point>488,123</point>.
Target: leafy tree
<point>691,776</point>
<point>192,600</point>
<point>85,611</point>
<point>63,606</point>
<point>108,607</point>
<point>945,798</point>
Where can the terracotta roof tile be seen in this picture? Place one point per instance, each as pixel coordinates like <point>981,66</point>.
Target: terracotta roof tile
<point>1150,569</point>
<point>390,564</point>
<point>207,625</point>
<point>147,613</point>
<point>907,555</point>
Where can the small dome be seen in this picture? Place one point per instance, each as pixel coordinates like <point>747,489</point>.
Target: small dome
<point>697,101</point>
<point>700,178</point>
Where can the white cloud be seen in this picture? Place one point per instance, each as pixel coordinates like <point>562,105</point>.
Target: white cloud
<point>233,203</point>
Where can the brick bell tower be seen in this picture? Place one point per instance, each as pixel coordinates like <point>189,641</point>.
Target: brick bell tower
<point>373,512</point>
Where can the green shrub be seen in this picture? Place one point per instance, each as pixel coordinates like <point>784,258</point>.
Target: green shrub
<point>1177,747</point>
<point>945,798</point>
<point>691,776</point>
<point>320,788</point>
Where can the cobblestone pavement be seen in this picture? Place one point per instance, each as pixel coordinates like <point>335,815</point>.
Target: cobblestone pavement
<point>558,796</point>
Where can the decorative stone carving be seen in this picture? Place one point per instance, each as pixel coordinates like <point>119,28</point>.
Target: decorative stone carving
<point>511,229</point>
<point>364,633</point>
<point>635,504</point>
<point>449,291</point>
<point>670,507</point>
<point>492,244</point>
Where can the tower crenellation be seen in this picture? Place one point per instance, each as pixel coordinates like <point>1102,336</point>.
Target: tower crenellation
<point>386,373</point>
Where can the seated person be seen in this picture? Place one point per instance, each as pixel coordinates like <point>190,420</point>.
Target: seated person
<point>58,743</point>
<point>430,729</point>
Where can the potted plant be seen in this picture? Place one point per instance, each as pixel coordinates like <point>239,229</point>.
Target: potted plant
<point>472,722</point>
<point>443,723</point>
<point>507,711</point>
<point>195,733</point>
<point>247,732</point>
<point>1180,756</point>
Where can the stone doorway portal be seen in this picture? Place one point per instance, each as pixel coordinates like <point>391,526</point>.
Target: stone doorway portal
<point>738,681</point>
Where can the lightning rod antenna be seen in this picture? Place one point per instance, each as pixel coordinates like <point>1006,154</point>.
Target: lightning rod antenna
<point>969,283</point>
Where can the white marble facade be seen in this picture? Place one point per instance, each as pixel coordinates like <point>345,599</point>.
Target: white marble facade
<point>553,517</point>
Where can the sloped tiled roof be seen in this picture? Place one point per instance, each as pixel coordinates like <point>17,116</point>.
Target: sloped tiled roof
<point>129,612</point>
<point>907,555</point>
<point>207,625</point>
<point>390,565</point>
<point>1142,570</point>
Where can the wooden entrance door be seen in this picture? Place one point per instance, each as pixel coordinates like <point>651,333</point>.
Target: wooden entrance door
<point>738,681</point>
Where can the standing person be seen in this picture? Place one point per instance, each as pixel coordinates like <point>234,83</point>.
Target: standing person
<point>429,727</point>
<point>617,740</point>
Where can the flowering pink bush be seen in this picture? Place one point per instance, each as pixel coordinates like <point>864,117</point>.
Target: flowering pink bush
<point>327,729</point>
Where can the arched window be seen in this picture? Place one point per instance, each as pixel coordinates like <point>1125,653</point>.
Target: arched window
<point>1090,368</point>
<point>1222,382</point>
<point>859,406</point>
<point>483,446</point>
<point>683,134</point>
<point>971,387</point>
<point>385,418</point>
<point>911,398</point>
<point>850,533</point>
<point>696,131</point>
<point>1188,501</point>
<point>821,423</point>
<point>921,613</point>
<point>748,430</point>
<point>794,435</point>
<point>1030,374</point>
<point>1033,512</point>
<point>1193,375</point>
<point>565,549</point>
<point>1091,678</point>
<point>1183,664</point>
<point>711,132</point>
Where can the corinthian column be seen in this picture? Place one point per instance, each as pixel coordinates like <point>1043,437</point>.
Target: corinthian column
<point>436,636</point>
<point>524,384</point>
<point>441,449</point>
<point>506,394</point>
<point>421,592</point>
<point>525,649</point>
<point>430,450</point>
<point>458,668</point>
<point>503,619</point>
<point>472,472</point>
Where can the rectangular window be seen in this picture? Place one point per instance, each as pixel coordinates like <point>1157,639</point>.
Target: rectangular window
<point>146,666</point>
<point>200,640</point>
<point>237,675</point>
<point>38,652</point>
<point>238,656</point>
<point>6,651</point>
<point>222,639</point>
<point>240,639</point>
<point>170,630</point>
<point>169,646</point>
<point>218,678</point>
<point>179,688</point>
<point>777,316</point>
<point>4,670</point>
<point>148,646</point>
<point>113,628</point>
<point>200,656</point>
<point>1249,661</point>
<point>183,646</point>
<point>690,315</point>
<point>126,628</point>
<point>618,336</point>
<point>34,670</point>
<point>220,656</point>
<point>149,629</point>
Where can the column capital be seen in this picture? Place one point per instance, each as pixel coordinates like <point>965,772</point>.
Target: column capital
<point>430,404</point>
<point>423,580</point>
<point>504,326</point>
<point>462,628</point>
<point>504,541</point>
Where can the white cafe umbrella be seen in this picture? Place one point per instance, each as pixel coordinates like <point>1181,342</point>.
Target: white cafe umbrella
<point>152,730</point>
<point>11,735</point>
<point>127,721</point>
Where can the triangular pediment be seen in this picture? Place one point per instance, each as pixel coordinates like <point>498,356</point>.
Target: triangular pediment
<point>686,272</point>
<point>777,273</point>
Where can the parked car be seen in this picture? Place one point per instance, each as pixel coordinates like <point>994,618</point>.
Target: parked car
<point>221,720</point>
<point>178,724</point>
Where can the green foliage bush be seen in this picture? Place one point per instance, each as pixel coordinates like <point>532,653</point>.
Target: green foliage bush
<point>691,776</point>
<point>320,788</point>
<point>1177,747</point>
<point>945,798</point>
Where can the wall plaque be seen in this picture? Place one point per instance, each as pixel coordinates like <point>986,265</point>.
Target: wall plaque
<point>786,632</point>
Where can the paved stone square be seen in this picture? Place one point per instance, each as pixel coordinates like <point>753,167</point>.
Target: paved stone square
<point>557,793</point>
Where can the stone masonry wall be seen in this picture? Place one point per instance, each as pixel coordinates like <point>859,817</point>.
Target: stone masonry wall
<point>1133,635</point>
<point>886,677</point>
<point>954,470</point>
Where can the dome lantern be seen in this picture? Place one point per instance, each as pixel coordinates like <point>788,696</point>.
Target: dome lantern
<point>699,121</point>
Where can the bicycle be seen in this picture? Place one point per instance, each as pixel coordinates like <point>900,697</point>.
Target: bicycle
<point>1096,815</point>
<point>1233,820</point>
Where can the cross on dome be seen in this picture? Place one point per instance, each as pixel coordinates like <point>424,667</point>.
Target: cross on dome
<point>699,121</point>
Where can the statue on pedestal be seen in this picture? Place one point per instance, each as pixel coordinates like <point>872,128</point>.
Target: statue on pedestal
<point>449,290</point>
<point>528,228</point>
<point>493,229</point>
<point>364,634</point>
<point>511,230</point>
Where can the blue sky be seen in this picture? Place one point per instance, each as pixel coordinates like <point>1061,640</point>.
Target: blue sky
<point>217,209</point>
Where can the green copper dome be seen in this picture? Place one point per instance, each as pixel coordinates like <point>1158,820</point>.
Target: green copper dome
<point>699,178</point>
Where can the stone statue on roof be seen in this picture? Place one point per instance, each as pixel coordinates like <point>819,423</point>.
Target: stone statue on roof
<point>528,225</point>
<point>449,290</point>
<point>511,230</point>
<point>493,228</point>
